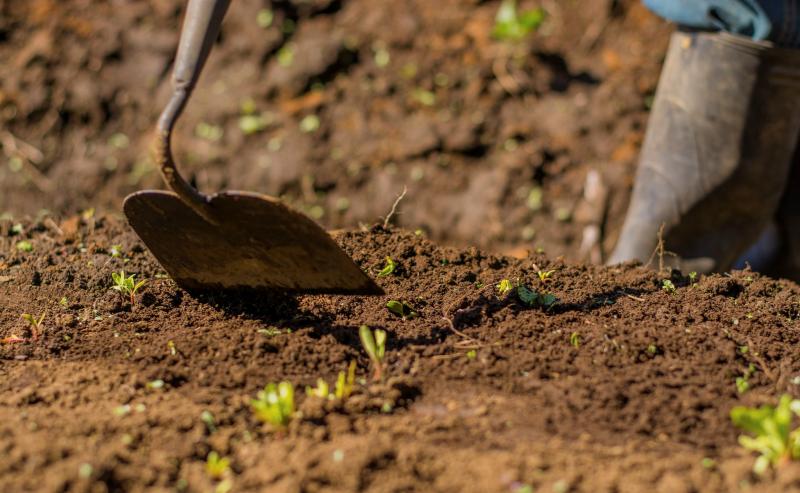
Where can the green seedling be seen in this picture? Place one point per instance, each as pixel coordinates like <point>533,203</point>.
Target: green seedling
<point>25,246</point>
<point>321,390</point>
<point>472,354</point>
<point>253,124</point>
<point>504,286</point>
<point>532,298</point>
<point>264,18</point>
<point>36,324</point>
<point>345,382</point>
<point>772,436</point>
<point>208,419</point>
<point>375,345</point>
<point>272,331</point>
<point>127,285</point>
<point>544,275</point>
<point>208,131</point>
<point>286,55</point>
<point>708,463</point>
<point>423,97</point>
<point>342,389</point>
<point>401,309</point>
<point>216,466</point>
<point>511,25</point>
<point>743,382</point>
<point>309,124</point>
<point>389,269</point>
<point>115,251</point>
<point>575,340</point>
<point>693,277</point>
<point>668,286</point>
<point>155,384</point>
<point>275,404</point>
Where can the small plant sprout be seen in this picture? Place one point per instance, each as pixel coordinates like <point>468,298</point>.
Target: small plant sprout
<point>127,285</point>
<point>345,382</point>
<point>342,389</point>
<point>35,324</point>
<point>743,382</point>
<point>693,277</point>
<point>667,286</point>
<point>321,390</point>
<point>208,419</point>
<point>512,25</point>
<point>217,467</point>
<point>115,251</point>
<point>575,340</point>
<point>25,246</point>
<point>389,269</point>
<point>532,298</point>
<point>770,432</point>
<point>155,384</point>
<point>544,275</point>
<point>401,309</point>
<point>275,404</point>
<point>375,345</point>
<point>504,286</point>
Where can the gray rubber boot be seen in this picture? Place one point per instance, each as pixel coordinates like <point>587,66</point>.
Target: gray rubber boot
<point>716,155</point>
<point>787,263</point>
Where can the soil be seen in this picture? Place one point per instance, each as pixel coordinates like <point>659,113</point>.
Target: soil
<point>504,148</point>
<point>410,93</point>
<point>619,386</point>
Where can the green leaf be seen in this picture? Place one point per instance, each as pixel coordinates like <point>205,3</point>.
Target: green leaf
<point>770,427</point>
<point>511,25</point>
<point>504,287</point>
<point>368,341</point>
<point>25,246</point>
<point>547,300</point>
<point>380,342</point>
<point>389,268</point>
<point>344,384</point>
<point>275,404</point>
<point>401,309</point>
<point>527,296</point>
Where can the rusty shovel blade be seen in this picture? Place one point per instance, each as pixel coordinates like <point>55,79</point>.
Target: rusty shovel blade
<point>252,242</point>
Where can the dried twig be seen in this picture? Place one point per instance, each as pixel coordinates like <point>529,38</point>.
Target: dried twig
<point>660,251</point>
<point>394,208</point>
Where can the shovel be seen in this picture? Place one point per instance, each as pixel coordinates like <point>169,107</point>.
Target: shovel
<point>230,240</point>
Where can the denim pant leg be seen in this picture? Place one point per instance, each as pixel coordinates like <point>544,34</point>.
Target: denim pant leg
<point>775,20</point>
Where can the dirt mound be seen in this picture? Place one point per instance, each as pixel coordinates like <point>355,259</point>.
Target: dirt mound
<point>620,385</point>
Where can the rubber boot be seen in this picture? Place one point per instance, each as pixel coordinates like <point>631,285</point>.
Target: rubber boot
<point>787,263</point>
<point>716,155</point>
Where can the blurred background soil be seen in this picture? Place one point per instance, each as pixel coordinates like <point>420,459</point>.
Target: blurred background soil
<point>336,106</point>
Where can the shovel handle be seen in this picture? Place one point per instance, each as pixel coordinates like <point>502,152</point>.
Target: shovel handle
<point>200,29</point>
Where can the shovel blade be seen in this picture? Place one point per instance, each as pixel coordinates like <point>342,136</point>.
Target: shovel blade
<point>257,243</point>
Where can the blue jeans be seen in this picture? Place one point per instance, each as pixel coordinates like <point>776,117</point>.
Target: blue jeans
<point>774,20</point>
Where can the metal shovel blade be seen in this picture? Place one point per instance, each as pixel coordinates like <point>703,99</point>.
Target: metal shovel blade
<point>255,241</point>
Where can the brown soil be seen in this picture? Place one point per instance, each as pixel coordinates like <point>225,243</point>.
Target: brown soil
<point>82,83</point>
<point>473,128</point>
<point>636,406</point>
